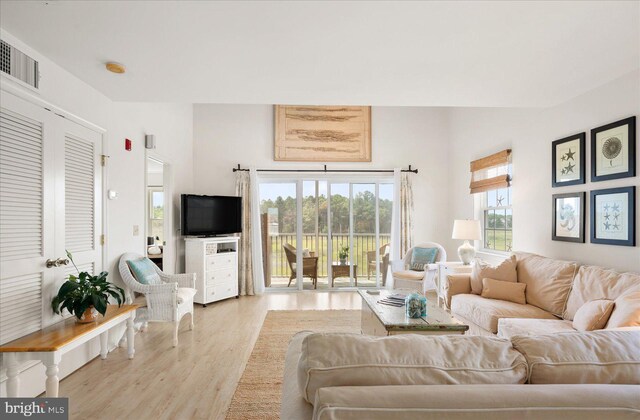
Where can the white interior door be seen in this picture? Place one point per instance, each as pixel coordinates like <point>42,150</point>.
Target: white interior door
<point>50,200</point>
<point>26,215</point>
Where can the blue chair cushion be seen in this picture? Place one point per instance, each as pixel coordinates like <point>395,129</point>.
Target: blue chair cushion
<point>422,256</point>
<point>144,270</point>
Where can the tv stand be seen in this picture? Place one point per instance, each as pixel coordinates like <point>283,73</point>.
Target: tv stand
<point>215,262</point>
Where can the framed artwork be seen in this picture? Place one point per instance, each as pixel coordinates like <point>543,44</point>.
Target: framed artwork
<point>613,216</point>
<point>613,150</point>
<point>567,165</point>
<point>568,217</point>
<point>322,133</point>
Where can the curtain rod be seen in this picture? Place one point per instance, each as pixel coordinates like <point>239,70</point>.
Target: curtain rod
<point>325,170</point>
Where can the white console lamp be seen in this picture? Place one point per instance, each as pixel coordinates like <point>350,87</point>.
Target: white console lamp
<point>467,230</point>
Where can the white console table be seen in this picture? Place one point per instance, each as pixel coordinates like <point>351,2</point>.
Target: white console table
<point>49,345</point>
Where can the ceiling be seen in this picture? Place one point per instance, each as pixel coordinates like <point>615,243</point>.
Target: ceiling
<point>512,54</point>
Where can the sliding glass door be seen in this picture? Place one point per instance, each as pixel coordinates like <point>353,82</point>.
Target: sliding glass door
<point>343,228</point>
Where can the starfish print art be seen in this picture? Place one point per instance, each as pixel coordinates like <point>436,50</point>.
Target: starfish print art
<point>607,225</point>
<point>570,155</point>
<point>570,167</point>
<point>606,216</point>
<point>563,158</point>
<point>563,172</point>
<point>500,200</point>
<point>615,226</point>
<point>606,207</point>
<point>616,207</point>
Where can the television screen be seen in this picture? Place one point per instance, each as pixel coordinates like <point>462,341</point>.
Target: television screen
<point>204,215</point>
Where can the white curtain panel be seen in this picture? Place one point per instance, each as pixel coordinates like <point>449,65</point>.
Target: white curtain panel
<point>250,252</point>
<point>394,250</point>
<point>256,237</point>
<point>406,213</point>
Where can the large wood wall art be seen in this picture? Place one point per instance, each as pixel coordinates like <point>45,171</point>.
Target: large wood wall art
<point>322,133</point>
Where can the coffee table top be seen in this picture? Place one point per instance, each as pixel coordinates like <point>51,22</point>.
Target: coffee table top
<point>394,318</point>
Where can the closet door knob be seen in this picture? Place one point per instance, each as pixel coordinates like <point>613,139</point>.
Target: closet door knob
<point>62,261</point>
<point>51,263</point>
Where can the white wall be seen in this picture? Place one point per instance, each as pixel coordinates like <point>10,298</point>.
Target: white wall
<point>529,132</point>
<point>171,123</point>
<point>225,135</point>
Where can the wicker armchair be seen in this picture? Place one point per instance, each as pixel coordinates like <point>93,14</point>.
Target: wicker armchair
<point>404,277</point>
<point>166,302</point>
<point>372,264</point>
<point>309,265</point>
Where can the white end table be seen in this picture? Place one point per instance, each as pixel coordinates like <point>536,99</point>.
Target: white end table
<point>446,268</point>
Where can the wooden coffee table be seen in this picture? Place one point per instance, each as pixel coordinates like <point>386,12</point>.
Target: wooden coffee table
<point>342,270</point>
<point>381,320</point>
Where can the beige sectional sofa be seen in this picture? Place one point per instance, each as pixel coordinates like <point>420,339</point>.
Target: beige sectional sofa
<point>555,290</point>
<point>520,360</point>
<point>570,376</point>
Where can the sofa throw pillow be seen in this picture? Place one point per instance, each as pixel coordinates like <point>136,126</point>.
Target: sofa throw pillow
<point>422,256</point>
<point>626,312</point>
<point>548,281</point>
<point>593,282</point>
<point>595,357</point>
<point>143,269</point>
<point>341,359</point>
<point>593,315</point>
<point>504,290</point>
<point>505,271</point>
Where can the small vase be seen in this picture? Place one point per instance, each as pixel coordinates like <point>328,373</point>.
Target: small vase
<point>343,261</point>
<point>416,305</point>
<point>89,315</point>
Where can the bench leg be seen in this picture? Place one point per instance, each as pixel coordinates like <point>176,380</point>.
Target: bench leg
<point>13,381</point>
<point>51,362</point>
<point>104,349</point>
<point>131,350</point>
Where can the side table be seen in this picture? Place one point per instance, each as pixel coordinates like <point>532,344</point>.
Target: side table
<point>446,268</point>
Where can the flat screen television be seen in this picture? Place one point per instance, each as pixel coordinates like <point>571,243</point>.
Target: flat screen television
<point>204,215</point>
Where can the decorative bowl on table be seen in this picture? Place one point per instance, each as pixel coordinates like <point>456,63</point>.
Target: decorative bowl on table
<point>416,305</point>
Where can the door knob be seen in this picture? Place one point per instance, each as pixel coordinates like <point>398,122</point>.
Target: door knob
<point>62,261</point>
<point>51,263</point>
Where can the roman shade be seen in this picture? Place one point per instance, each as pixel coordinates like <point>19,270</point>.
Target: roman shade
<point>490,172</point>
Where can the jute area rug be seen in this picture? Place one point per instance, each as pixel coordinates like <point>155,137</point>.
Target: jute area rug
<point>259,391</point>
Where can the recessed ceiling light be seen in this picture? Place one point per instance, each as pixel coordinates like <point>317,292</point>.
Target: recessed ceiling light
<point>115,67</point>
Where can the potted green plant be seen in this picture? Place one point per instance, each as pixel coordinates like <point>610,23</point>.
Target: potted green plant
<point>86,295</point>
<point>343,254</point>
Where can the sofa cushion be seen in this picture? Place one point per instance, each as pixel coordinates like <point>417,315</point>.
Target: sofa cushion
<point>510,327</point>
<point>504,290</point>
<point>409,275</point>
<point>353,359</point>
<point>593,315</point>
<point>470,402</point>
<point>593,283</point>
<point>505,271</point>
<point>626,312</point>
<point>486,312</point>
<point>596,357</point>
<point>548,281</point>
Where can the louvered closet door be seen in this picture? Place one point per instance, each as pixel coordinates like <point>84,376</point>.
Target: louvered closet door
<point>26,215</point>
<point>78,186</point>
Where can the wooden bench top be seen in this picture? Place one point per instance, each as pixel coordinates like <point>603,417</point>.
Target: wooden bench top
<point>58,335</point>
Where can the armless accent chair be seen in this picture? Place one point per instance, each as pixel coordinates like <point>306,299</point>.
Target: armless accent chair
<point>169,296</point>
<point>404,277</point>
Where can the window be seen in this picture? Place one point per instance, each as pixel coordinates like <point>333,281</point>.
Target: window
<point>497,220</point>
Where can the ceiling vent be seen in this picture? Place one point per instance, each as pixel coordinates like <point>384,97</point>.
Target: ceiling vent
<point>19,65</point>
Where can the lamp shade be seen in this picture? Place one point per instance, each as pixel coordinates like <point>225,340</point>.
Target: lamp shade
<point>468,230</point>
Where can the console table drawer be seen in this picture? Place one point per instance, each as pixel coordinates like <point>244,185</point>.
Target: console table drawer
<point>223,275</point>
<point>215,262</point>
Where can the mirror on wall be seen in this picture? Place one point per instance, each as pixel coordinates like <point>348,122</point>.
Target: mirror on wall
<point>155,211</point>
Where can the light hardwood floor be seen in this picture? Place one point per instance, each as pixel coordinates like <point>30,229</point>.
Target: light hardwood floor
<point>195,380</point>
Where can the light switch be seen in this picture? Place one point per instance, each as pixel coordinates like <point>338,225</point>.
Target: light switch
<point>136,230</point>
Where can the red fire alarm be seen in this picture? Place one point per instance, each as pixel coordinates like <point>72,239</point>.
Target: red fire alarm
<point>127,145</point>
